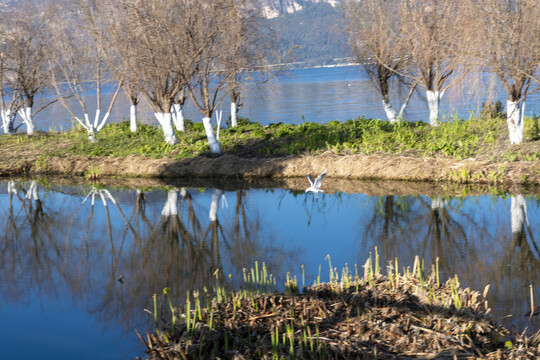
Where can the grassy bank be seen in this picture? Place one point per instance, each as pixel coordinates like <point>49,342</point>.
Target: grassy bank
<point>357,314</point>
<point>477,139</point>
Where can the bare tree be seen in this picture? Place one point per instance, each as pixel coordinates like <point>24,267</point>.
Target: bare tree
<point>10,101</point>
<point>506,42</point>
<point>246,46</point>
<point>431,31</point>
<point>150,38</point>
<point>24,60</point>
<point>375,35</point>
<point>222,47</point>
<point>80,66</point>
<point>212,19</point>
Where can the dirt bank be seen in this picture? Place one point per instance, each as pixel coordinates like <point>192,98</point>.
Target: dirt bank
<point>342,167</point>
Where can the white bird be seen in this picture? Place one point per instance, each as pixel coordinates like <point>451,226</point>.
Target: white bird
<point>316,185</point>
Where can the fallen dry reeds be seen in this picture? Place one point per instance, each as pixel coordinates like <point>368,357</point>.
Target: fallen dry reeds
<point>400,315</point>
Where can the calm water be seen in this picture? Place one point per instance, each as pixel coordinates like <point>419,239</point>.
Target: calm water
<point>75,275</point>
<point>317,95</point>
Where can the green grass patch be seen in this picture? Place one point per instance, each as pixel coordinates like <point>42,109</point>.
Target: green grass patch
<point>455,138</point>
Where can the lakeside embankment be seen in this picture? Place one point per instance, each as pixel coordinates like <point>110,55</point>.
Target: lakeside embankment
<point>473,151</point>
<point>354,167</point>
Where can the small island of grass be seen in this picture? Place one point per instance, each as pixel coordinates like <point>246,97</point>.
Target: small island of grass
<point>409,314</point>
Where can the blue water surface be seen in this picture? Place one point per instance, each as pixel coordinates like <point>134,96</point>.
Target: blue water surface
<point>76,277</point>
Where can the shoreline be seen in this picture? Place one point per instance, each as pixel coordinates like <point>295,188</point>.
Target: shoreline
<point>380,167</point>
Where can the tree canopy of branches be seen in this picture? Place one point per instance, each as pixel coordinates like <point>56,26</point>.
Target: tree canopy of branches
<point>79,68</point>
<point>432,32</point>
<point>246,47</point>
<point>505,37</point>
<point>375,36</point>
<point>150,38</point>
<point>23,60</point>
<point>220,47</point>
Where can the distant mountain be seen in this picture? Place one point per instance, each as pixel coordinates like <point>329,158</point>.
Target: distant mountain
<point>314,30</point>
<point>275,8</point>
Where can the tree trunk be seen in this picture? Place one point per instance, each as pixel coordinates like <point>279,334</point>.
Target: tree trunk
<point>8,120</point>
<point>234,116</point>
<point>215,145</point>
<point>514,118</point>
<point>390,112</point>
<point>133,118</point>
<point>26,115</point>
<point>165,120</point>
<point>434,100</point>
<point>178,117</point>
<point>171,208</point>
<point>92,134</point>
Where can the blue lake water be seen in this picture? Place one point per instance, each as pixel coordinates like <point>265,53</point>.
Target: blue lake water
<point>76,275</point>
<point>316,95</point>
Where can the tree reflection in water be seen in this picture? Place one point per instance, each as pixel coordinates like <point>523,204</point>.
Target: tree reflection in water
<point>467,240</point>
<point>111,252</point>
<point>112,256</point>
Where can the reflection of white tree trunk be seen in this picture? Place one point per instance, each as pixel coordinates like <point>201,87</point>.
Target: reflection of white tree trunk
<point>437,204</point>
<point>521,229</point>
<point>11,188</point>
<point>518,210</point>
<point>103,194</point>
<point>32,191</point>
<point>171,206</point>
<point>214,205</point>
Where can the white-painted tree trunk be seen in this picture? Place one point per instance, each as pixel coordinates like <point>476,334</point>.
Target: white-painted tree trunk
<point>165,120</point>
<point>434,100</point>
<point>133,118</point>
<point>26,115</point>
<point>8,121</point>
<point>178,117</point>
<point>215,145</point>
<point>171,206</point>
<point>389,111</point>
<point>92,128</point>
<point>234,114</point>
<point>214,204</point>
<point>92,133</point>
<point>514,118</point>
